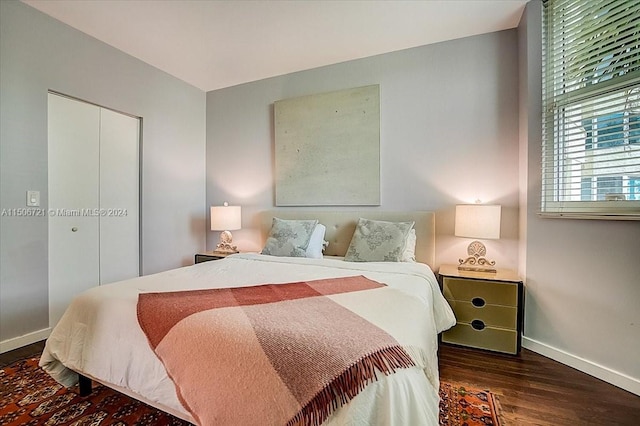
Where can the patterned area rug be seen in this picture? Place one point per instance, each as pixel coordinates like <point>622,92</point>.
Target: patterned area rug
<point>464,406</point>
<point>29,396</point>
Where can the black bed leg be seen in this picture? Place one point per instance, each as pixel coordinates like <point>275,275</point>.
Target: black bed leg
<point>84,383</point>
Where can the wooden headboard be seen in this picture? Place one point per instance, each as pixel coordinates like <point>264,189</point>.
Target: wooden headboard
<point>341,225</point>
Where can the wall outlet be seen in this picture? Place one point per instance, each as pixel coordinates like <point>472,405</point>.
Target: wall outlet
<point>33,198</point>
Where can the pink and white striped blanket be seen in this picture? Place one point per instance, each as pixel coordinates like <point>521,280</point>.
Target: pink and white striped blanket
<point>279,354</point>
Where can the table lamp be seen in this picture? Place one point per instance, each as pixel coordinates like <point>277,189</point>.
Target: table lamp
<point>226,218</point>
<point>480,221</point>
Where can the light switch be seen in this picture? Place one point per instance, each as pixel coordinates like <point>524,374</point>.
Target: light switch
<point>33,198</point>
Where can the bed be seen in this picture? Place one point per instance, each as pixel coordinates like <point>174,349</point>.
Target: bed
<point>100,336</point>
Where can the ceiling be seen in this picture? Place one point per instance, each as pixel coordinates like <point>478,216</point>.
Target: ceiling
<point>216,44</point>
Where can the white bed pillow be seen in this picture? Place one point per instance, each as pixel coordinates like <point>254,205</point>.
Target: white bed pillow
<point>316,242</point>
<point>409,253</point>
<point>289,237</point>
<point>379,241</point>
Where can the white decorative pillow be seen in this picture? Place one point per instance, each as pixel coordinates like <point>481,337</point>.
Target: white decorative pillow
<point>289,237</point>
<point>378,241</point>
<point>316,242</point>
<point>409,254</point>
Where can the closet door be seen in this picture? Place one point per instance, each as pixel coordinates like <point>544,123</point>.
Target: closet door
<point>119,197</point>
<point>74,135</point>
<point>93,199</point>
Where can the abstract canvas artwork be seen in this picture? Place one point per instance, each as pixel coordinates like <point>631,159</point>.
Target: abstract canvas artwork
<point>327,149</point>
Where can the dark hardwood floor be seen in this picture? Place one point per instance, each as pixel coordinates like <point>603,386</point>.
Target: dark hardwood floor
<point>535,390</point>
<point>29,351</point>
<point>531,389</point>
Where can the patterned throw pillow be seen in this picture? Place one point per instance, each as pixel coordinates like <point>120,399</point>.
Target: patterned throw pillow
<point>378,241</point>
<point>289,237</point>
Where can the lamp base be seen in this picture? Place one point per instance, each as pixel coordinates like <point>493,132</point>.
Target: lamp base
<point>476,261</point>
<point>226,249</point>
<point>224,246</point>
<point>477,269</point>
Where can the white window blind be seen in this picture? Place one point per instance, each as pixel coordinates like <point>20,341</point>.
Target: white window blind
<point>591,100</point>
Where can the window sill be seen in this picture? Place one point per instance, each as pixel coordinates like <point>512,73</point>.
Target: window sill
<point>592,216</point>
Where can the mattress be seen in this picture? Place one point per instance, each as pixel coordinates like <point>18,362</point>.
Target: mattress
<point>99,335</point>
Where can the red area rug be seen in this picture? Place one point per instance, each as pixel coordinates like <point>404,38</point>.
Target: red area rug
<point>29,396</point>
<point>465,406</point>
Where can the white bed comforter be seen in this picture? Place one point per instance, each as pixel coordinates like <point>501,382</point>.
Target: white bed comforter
<point>99,334</point>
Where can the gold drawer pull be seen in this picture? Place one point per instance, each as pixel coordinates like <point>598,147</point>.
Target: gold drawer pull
<point>478,302</point>
<point>477,324</point>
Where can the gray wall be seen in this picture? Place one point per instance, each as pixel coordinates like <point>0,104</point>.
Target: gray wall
<point>449,134</point>
<point>582,276</point>
<point>38,53</point>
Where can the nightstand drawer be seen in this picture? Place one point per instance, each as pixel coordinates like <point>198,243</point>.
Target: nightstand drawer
<point>491,315</point>
<point>495,339</point>
<point>485,292</point>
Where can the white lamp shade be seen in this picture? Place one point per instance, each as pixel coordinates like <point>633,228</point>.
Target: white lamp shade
<point>478,221</point>
<point>226,218</point>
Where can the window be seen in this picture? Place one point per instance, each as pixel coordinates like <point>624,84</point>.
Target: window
<point>591,98</point>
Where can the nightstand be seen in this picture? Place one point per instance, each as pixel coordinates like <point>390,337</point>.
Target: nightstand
<point>488,308</point>
<point>210,255</point>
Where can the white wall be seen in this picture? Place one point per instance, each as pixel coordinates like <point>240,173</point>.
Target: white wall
<point>449,134</point>
<point>38,53</point>
<point>582,276</point>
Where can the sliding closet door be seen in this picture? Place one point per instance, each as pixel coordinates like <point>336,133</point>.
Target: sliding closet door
<point>119,185</point>
<point>74,135</point>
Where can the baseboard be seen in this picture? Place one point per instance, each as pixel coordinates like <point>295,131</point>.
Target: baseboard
<point>27,339</point>
<point>616,378</point>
